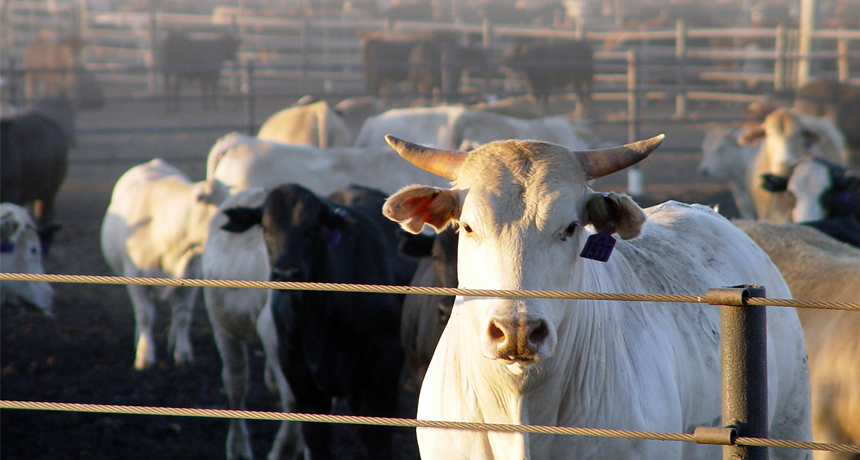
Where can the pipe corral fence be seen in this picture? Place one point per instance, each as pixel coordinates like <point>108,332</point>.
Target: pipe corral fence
<point>743,335</point>
<point>322,55</point>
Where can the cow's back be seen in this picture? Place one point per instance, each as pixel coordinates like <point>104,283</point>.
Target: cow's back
<point>146,215</point>
<point>314,124</point>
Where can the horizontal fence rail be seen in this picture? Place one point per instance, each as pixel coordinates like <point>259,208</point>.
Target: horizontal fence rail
<point>374,288</point>
<point>413,423</point>
<point>702,435</point>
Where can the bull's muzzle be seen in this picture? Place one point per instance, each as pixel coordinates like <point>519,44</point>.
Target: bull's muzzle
<point>516,338</point>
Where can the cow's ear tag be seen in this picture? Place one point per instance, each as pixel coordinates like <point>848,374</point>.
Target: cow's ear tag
<point>598,246</point>
<point>332,238</point>
<point>7,246</point>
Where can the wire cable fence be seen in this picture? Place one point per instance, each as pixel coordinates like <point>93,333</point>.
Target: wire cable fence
<point>702,437</point>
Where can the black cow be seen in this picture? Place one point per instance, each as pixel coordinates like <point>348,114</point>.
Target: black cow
<point>828,191</point>
<point>550,68</point>
<point>188,59</point>
<point>386,59</point>
<point>848,121</point>
<point>439,64</point>
<point>34,149</point>
<point>331,344</point>
<point>425,316</point>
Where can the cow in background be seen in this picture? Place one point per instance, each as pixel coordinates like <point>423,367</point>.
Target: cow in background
<point>783,137</point>
<point>355,110</point>
<point>817,267</point>
<point>331,344</point>
<point>156,226</point>
<point>240,318</point>
<point>723,158</point>
<point>425,316</point>
<point>51,65</point>
<point>551,68</point>
<point>34,148</point>
<point>315,123</point>
<point>186,59</point>
<point>20,252</point>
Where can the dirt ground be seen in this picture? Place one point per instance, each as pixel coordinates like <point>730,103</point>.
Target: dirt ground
<point>85,354</point>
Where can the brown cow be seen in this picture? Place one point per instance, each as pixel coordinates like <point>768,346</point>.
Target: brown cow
<point>50,66</point>
<point>817,267</point>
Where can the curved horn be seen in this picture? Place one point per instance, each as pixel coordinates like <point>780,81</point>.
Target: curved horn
<point>601,162</point>
<point>443,163</point>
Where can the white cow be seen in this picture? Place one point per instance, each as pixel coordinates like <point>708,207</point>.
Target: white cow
<point>155,226</point>
<point>427,125</point>
<point>817,267</point>
<point>524,211</point>
<point>473,128</point>
<point>724,159</point>
<point>455,127</point>
<point>241,161</point>
<point>314,124</point>
<point>21,252</point>
<point>786,136</point>
<point>240,317</point>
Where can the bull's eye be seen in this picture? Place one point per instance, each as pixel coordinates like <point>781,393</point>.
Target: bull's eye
<point>466,228</point>
<point>568,232</point>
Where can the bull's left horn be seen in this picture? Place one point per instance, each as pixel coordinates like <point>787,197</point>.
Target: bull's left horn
<point>601,162</point>
<point>441,162</point>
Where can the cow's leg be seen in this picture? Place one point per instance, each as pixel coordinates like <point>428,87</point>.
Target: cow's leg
<point>178,337</point>
<point>234,373</point>
<point>378,398</point>
<point>288,440</point>
<point>144,315</point>
<point>308,400</point>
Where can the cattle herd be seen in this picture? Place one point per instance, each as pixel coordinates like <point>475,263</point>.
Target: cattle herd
<point>493,196</point>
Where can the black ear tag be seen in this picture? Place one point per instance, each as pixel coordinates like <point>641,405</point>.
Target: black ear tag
<point>598,246</point>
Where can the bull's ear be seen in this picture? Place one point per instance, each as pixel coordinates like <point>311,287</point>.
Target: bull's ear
<point>617,212</point>
<point>416,205</point>
<point>751,136</point>
<point>240,219</point>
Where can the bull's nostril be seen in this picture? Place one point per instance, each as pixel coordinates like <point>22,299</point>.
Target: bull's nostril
<point>495,333</point>
<point>540,334</point>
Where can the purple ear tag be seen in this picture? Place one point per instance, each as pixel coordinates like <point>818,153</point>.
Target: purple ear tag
<point>332,238</point>
<point>7,246</point>
<point>598,246</point>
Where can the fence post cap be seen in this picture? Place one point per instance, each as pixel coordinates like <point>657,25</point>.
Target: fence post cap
<point>734,295</point>
<point>724,436</point>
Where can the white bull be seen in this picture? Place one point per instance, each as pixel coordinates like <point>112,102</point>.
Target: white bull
<point>817,267</point>
<point>21,252</point>
<point>524,211</point>
<point>155,226</point>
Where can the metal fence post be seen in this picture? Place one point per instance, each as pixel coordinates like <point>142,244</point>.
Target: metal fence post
<point>743,346</point>
<point>250,94</point>
<point>634,174</point>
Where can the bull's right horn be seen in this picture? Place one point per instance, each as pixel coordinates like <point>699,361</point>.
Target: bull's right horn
<point>441,162</point>
<point>601,162</point>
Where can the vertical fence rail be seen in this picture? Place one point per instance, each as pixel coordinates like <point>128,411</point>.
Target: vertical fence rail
<point>743,347</point>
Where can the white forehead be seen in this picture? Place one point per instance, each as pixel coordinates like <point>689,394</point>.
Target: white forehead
<point>508,181</point>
